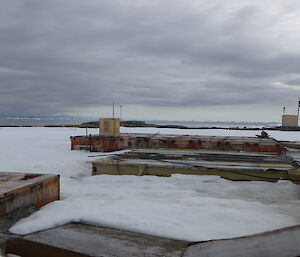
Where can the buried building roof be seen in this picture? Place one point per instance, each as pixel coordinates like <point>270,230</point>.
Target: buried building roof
<point>230,165</point>
<point>79,240</point>
<point>19,190</point>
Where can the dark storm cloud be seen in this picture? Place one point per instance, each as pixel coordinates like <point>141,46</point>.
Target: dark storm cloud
<point>59,55</point>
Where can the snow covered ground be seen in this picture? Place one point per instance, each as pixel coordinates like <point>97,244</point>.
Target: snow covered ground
<point>183,207</point>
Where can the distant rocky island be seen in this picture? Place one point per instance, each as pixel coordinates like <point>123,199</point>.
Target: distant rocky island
<point>128,123</point>
<point>136,123</point>
<point>132,124</point>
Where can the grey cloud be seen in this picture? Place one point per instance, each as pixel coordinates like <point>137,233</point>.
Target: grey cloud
<point>58,55</point>
<point>293,82</point>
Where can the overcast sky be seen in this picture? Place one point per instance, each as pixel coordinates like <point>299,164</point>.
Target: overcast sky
<point>161,59</point>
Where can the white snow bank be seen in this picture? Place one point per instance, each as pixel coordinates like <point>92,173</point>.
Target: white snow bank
<point>190,208</point>
<point>183,207</point>
<point>41,150</point>
<point>44,150</point>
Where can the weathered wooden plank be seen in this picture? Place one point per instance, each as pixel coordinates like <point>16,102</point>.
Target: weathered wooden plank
<point>279,243</point>
<point>84,240</point>
<point>78,240</point>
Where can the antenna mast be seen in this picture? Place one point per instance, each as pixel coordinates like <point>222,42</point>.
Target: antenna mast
<point>121,106</point>
<point>113,109</point>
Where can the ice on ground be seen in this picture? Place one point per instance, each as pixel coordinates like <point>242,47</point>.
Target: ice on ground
<point>183,207</point>
<point>42,150</point>
<point>192,208</point>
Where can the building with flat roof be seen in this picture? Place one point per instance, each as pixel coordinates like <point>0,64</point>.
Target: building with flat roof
<point>289,120</point>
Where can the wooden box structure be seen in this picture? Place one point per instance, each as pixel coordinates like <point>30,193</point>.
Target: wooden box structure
<point>18,190</point>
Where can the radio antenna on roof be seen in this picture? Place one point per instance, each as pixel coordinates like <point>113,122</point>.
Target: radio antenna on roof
<point>113,109</point>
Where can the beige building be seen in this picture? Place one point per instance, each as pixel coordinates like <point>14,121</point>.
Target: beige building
<point>109,127</point>
<point>289,120</point>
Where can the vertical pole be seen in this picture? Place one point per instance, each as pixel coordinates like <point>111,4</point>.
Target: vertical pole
<point>90,142</point>
<point>86,136</point>
<point>99,134</point>
<point>113,109</point>
<point>298,110</point>
<point>121,106</point>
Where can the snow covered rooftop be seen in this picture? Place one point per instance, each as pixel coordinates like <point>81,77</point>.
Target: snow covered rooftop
<point>231,165</point>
